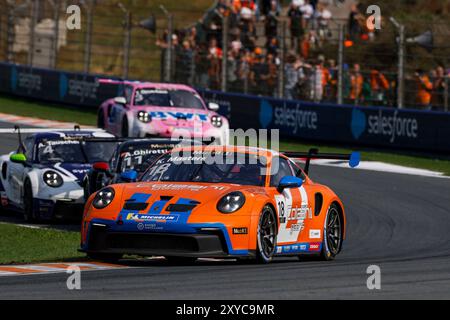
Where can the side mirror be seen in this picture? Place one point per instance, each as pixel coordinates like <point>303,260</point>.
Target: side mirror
<point>129,176</point>
<point>213,106</point>
<point>18,158</point>
<point>290,182</point>
<point>120,100</point>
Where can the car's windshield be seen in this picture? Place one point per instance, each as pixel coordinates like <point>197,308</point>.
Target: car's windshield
<point>167,98</point>
<point>53,151</point>
<point>138,156</point>
<point>212,167</point>
<point>100,150</point>
<point>74,151</point>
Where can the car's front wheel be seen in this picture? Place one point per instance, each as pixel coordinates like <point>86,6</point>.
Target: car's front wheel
<point>266,235</point>
<point>28,206</point>
<point>332,236</point>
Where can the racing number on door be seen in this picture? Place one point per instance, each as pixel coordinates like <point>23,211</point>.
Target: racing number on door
<point>292,210</point>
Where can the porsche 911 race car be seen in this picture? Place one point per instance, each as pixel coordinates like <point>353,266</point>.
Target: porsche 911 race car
<point>129,161</point>
<point>162,110</point>
<point>221,202</point>
<point>42,179</point>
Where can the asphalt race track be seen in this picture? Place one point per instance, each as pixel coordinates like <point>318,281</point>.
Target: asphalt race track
<point>399,222</point>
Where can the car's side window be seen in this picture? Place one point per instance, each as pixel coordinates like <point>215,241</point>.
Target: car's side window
<point>128,93</point>
<point>280,168</point>
<point>27,148</point>
<point>298,172</point>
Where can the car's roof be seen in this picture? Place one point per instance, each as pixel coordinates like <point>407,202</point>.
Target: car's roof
<point>156,141</point>
<point>236,149</point>
<point>162,86</point>
<point>71,133</point>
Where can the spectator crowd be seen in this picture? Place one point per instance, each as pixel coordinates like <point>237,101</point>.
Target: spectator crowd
<point>256,61</point>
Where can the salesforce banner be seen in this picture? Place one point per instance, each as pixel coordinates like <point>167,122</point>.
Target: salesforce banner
<point>370,126</point>
<point>382,127</point>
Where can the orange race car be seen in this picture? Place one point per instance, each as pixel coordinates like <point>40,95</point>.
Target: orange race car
<point>216,201</point>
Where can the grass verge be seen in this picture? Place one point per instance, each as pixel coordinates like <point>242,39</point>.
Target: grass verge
<point>26,245</point>
<point>88,117</point>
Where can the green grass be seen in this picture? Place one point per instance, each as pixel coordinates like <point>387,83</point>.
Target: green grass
<point>25,245</point>
<point>88,117</point>
<point>47,111</point>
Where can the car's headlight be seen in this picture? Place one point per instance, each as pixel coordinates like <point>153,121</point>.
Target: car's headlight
<point>103,198</point>
<point>231,202</point>
<point>143,116</point>
<point>53,179</point>
<point>216,121</point>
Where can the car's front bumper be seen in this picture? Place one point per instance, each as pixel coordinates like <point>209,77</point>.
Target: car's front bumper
<point>67,209</point>
<point>209,240</point>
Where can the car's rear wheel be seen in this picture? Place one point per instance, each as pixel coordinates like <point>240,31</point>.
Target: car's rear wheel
<point>28,210</point>
<point>101,120</point>
<point>105,257</point>
<point>332,235</point>
<point>181,260</point>
<point>266,235</point>
<point>124,132</point>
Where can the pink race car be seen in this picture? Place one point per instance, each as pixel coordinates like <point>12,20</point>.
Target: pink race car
<point>162,110</point>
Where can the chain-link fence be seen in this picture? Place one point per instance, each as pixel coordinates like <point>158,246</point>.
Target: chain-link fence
<point>268,48</point>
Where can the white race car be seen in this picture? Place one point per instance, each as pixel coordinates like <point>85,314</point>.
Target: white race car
<point>42,179</point>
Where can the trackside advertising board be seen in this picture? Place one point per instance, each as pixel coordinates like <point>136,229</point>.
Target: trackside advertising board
<point>370,126</point>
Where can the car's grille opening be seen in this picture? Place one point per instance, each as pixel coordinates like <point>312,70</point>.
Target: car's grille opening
<point>103,239</point>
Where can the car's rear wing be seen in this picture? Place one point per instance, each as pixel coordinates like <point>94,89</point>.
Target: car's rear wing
<point>313,153</point>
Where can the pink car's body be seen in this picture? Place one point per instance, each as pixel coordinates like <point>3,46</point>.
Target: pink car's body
<point>180,113</point>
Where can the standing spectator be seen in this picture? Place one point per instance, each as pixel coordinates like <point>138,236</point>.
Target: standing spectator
<point>356,81</point>
<point>295,22</point>
<point>439,88</point>
<point>271,22</point>
<point>247,27</point>
<point>354,28</point>
<point>272,73</point>
<point>316,82</point>
<point>291,77</point>
<point>259,73</point>
<point>378,85</point>
<point>424,89</point>
<point>214,58</point>
<point>272,46</point>
<point>308,15</point>
<point>323,16</point>
<point>232,72</point>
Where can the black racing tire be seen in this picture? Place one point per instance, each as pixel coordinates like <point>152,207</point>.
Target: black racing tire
<point>28,210</point>
<point>180,260</point>
<point>105,257</point>
<point>124,132</point>
<point>266,235</point>
<point>101,119</point>
<point>332,234</point>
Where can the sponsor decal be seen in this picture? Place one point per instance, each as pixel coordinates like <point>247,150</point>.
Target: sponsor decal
<point>241,230</point>
<point>153,217</point>
<point>295,118</point>
<point>25,80</point>
<point>392,126</point>
<point>77,88</point>
<point>314,233</point>
<point>161,115</point>
<point>314,246</point>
